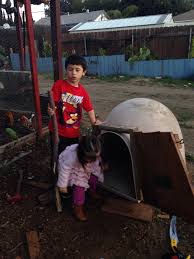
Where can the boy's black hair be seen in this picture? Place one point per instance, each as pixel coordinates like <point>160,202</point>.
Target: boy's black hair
<point>88,148</point>
<point>76,60</point>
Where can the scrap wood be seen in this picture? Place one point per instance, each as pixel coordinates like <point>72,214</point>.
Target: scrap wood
<point>163,216</point>
<point>28,139</point>
<point>47,197</point>
<point>17,196</point>
<point>119,129</point>
<point>33,244</point>
<point>18,245</point>
<point>55,137</point>
<point>16,158</point>
<point>41,185</point>
<point>139,211</point>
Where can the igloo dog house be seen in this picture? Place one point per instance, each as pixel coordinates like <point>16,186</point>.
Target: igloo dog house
<point>143,145</point>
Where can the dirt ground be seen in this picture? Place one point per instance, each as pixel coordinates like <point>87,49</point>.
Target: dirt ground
<point>105,235</point>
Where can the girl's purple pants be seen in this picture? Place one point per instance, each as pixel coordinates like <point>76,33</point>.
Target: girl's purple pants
<point>79,192</point>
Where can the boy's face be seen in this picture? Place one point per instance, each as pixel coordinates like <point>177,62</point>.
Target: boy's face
<point>75,73</point>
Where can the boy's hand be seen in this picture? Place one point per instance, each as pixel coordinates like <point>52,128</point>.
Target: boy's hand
<point>50,111</point>
<point>98,122</point>
<point>64,189</point>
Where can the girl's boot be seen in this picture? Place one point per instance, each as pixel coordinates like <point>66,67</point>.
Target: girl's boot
<point>79,212</point>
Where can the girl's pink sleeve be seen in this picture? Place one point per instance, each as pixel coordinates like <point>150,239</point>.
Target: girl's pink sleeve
<point>64,169</point>
<point>97,170</point>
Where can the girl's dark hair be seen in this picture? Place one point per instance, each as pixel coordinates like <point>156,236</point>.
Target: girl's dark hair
<point>88,148</point>
<point>76,60</point>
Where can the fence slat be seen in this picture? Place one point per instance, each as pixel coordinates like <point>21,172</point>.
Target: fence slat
<point>116,65</point>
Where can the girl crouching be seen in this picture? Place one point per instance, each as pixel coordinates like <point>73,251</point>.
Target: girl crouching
<point>80,167</point>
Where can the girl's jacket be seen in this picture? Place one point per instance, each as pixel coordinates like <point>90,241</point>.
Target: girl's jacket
<point>71,171</point>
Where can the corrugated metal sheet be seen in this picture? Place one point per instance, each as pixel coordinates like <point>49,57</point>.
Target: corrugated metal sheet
<point>123,23</point>
<point>116,65</point>
<point>74,18</point>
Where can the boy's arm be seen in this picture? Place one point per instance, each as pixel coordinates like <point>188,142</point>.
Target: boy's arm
<point>93,119</point>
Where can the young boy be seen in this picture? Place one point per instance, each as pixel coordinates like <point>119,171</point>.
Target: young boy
<point>70,97</point>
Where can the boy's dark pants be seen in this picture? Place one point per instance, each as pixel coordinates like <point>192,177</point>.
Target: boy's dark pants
<point>63,143</point>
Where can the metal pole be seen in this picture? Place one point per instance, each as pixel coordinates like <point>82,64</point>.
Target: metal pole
<point>190,44</point>
<point>85,46</point>
<point>56,39</point>
<point>34,70</point>
<point>19,36</point>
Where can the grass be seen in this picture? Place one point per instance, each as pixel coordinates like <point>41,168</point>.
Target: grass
<point>115,78</point>
<point>49,76</point>
<point>170,82</point>
<point>186,83</point>
<point>186,126</point>
<point>185,116</point>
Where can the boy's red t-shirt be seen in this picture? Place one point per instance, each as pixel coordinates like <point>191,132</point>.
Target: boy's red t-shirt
<point>69,101</point>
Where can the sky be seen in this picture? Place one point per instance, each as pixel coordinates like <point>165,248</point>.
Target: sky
<point>37,11</point>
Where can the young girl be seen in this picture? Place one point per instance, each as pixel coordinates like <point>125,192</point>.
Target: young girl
<point>79,167</point>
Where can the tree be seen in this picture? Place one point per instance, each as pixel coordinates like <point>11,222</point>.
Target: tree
<point>130,10</point>
<point>65,7</point>
<point>77,6</point>
<point>109,4</point>
<point>114,14</point>
<point>92,5</point>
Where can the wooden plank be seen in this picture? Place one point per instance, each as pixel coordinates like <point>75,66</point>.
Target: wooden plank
<point>179,142</point>
<point>138,211</point>
<point>33,244</point>
<point>30,138</point>
<point>164,178</point>
<point>41,185</point>
<point>115,129</point>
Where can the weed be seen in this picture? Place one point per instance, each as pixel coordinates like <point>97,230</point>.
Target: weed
<point>185,116</point>
<point>190,157</point>
<point>47,75</point>
<point>186,126</point>
<point>170,82</point>
<point>115,78</point>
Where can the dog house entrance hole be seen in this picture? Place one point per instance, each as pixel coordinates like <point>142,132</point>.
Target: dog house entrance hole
<point>119,177</point>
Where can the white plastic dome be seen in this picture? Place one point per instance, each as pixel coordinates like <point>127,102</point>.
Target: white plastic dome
<point>146,115</point>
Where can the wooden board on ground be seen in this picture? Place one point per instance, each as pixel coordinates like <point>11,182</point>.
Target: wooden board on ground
<point>33,244</point>
<point>164,178</point>
<point>41,185</point>
<point>139,211</point>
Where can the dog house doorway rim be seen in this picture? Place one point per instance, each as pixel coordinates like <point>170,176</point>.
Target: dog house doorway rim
<point>126,139</point>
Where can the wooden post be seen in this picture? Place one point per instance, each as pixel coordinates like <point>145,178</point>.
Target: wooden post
<point>56,39</point>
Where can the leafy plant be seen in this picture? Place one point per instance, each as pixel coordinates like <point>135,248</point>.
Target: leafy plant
<point>190,157</point>
<point>102,52</point>
<point>47,49</point>
<point>143,54</point>
<point>65,54</point>
<point>4,59</point>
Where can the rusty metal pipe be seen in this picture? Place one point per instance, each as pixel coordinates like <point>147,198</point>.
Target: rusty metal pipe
<point>33,63</point>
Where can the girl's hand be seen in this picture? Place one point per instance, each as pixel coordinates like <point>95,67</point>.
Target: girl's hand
<point>64,189</point>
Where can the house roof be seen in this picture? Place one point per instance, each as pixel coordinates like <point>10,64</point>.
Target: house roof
<point>72,19</point>
<point>183,17</point>
<point>119,24</point>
